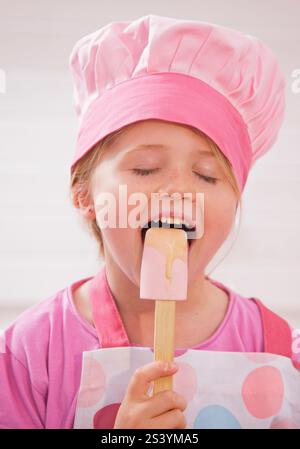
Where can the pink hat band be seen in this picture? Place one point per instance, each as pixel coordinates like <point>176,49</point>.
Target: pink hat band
<point>173,97</point>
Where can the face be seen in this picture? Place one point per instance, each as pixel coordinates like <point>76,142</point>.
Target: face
<point>183,164</point>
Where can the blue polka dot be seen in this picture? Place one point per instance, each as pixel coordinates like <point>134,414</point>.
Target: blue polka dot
<point>216,417</point>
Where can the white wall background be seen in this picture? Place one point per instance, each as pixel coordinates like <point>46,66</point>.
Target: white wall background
<point>42,245</point>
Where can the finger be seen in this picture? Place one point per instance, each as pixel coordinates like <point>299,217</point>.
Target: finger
<point>143,376</point>
<point>164,402</point>
<point>173,419</point>
<point>159,405</point>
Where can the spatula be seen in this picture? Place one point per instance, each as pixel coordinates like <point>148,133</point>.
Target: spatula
<point>163,278</point>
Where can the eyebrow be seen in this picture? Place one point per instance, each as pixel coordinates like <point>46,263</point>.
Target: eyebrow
<point>161,146</point>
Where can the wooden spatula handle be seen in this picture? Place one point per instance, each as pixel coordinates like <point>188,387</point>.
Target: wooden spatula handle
<point>164,327</point>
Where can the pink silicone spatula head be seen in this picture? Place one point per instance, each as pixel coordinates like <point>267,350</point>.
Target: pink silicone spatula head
<point>164,270</point>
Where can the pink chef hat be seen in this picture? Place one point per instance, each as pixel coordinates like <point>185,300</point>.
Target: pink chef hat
<point>221,81</point>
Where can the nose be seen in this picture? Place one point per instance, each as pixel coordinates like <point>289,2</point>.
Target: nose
<point>179,183</point>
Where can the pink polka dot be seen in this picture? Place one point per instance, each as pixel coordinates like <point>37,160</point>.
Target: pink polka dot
<point>185,380</point>
<point>260,357</point>
<point>106,416</point>
<point>283,423</point>
<point>263,391</point>
<point>296,361</point>
<point>92,383</point>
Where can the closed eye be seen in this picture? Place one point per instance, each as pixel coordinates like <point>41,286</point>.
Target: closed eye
<point>142,172</point>
<point>208,179</point>
<point>145,172</point>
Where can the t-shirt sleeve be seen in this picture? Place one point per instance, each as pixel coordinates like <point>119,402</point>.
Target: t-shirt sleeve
<point>40,365</point>
<point>21,405</point>
<point>23,371</point>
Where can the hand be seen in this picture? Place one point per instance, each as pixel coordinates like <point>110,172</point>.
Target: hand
<point>140,411</point>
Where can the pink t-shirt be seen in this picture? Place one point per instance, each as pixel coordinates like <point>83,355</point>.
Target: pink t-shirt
<point>41,355</point>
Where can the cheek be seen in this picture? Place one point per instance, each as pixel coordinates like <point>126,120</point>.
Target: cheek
<point>112,216</point>
<point>120,243</point>
<point>119,186</point>
<point>218,220</point>
<point>219,212</point>
<point>117,239</point>
<point>121,246</point>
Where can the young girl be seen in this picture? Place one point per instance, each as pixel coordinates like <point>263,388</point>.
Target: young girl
<point>166,106</point>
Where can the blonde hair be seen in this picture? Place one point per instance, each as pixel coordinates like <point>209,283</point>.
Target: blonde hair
<point>80,185</point>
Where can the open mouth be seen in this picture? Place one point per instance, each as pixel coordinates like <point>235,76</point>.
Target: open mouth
<point>191,232</point>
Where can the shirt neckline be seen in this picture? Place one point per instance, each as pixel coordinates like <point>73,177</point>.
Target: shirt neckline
<point>92,330</point>
<point>220,328</point>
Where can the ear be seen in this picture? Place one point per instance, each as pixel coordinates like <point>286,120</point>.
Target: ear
<point>88,212</point>
<point>84,203</point>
